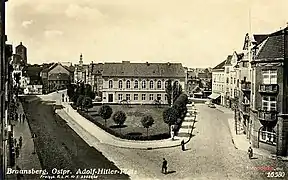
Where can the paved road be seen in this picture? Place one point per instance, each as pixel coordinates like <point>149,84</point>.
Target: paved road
<point>210,155</point>
<point>58,146</point>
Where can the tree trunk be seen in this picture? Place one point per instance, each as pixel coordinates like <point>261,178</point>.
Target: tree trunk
<point>105,122</point>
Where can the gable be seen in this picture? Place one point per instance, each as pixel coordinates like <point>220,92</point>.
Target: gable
<point>58,69</point>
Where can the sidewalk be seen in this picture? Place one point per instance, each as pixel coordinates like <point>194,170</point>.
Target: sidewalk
<point>241,142</point>
<point>26,159</point>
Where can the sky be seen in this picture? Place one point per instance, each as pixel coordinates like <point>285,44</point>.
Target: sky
<point>197,33</point>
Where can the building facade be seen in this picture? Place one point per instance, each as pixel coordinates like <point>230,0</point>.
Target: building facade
<point>218,83</point>
<point>56,77</point>
<point>269,111</point>
<point>139,83</point>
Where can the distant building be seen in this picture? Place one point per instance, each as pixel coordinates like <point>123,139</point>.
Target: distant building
<point>139,83</point>
<point>56,77</point>
<point>94,77</point>
<point>33,89</point>
<point>81,71</point>
<point>21,51</point>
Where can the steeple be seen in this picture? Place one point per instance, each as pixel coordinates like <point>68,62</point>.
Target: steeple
<point>81,59</point>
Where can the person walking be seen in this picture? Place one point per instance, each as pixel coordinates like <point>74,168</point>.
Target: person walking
<point>250,152</point>
<point>15,141</point>
<point>23,117</point>
<point>17,152</point>
<point>164,166</point>
<point>183,145</point>
<point>20,142</point>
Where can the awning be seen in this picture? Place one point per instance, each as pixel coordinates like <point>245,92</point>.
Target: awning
<point>214,96</point>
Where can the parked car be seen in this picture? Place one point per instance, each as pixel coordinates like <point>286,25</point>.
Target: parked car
<point>211,105</point>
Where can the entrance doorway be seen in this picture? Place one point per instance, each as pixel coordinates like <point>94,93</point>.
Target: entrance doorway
<point>110,97</point>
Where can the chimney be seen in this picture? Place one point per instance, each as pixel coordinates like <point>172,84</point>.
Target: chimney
<point>168,63</point>
<point>147,63</point>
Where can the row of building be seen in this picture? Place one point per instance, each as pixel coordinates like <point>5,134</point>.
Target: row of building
<point>254,82</point>
<point>138,83</point>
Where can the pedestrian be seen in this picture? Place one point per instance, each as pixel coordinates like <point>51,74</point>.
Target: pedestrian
<point>15,141</point>
<point>23,117</point>
<point>164,166</point>
<point>20,142</point>
<point>250,152</point>
<point>17,152</point>
<point>16,116</point>
<point>183,145</point>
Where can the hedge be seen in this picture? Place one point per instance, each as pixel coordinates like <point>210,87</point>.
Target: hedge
<point>180,105</point>
<point>123,136</point>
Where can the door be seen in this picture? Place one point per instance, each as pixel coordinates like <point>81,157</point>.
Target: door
<point>110,97</point>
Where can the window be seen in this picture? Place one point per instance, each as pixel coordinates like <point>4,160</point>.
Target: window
<point>143,84</point>
<point>128,97</point>
<point>234,80</point>
<point>151,97</point>
<point>166,84</point>
<point>120,97</point>
<point>245,64</point>
<point>136,84</point>
<point>158,96</point>
<point>120,84</point>
<point>128,84</point>
<point>110,84</point>
<point>159,84</point>
<point>269,103</point>
<point>135,97</point>
<point>269,77</point>
<point>268,135</point>
<point>151,85</point>
<point>166,97</point>
<point>227,81</point>
<point>143,97</point>
<point>231,80</point>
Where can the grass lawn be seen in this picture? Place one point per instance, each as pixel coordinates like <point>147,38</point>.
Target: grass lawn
<point>133,125</point>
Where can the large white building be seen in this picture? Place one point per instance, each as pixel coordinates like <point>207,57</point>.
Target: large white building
<point>139,83</point>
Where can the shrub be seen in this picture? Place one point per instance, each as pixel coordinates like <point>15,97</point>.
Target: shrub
<point>147,121</point>
<point>105,112</point>
<point>119,118</point>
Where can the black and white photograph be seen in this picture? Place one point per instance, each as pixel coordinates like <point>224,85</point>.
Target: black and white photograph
<point>144,89</point>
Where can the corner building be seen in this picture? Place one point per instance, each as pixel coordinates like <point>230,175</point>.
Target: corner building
<point>269,111</point>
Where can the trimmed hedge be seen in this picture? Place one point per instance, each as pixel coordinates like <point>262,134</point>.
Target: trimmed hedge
<point>123,136</point>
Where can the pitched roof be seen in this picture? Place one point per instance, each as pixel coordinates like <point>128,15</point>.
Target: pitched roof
<point>273,47</point>
<point>70,69</point>
<point>96,69</point>
<point>191,74</point>
<point>127,69</point>
<point>228,60</point>
<point>220,66</point>
<point>59,76</point>
<point>259,38</point>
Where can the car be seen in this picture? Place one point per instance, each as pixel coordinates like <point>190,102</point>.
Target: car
<point>211,105</point>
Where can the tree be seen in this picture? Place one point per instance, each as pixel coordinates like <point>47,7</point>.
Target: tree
<point>87,103</point>
<point>168,91</point>
<point>71,89</point>
<point>79,102</point>
<point>147,121</point>
<point>177,90</point>
<point>119,118</point>
<point>105,112</point>
<point>170,116</point>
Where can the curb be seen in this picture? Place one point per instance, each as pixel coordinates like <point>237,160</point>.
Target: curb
<point>115,145</point>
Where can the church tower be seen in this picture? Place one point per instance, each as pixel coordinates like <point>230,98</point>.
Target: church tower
<point>81,60</point>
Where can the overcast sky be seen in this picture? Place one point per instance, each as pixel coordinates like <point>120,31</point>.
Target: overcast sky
<point>197,33</point>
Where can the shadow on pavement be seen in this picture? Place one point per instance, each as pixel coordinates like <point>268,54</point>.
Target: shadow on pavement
<point>170,172</point>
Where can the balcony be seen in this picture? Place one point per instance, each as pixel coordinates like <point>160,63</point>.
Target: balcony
<point>267,118</point>
<point>246,86</point>
<point>268,89</point>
